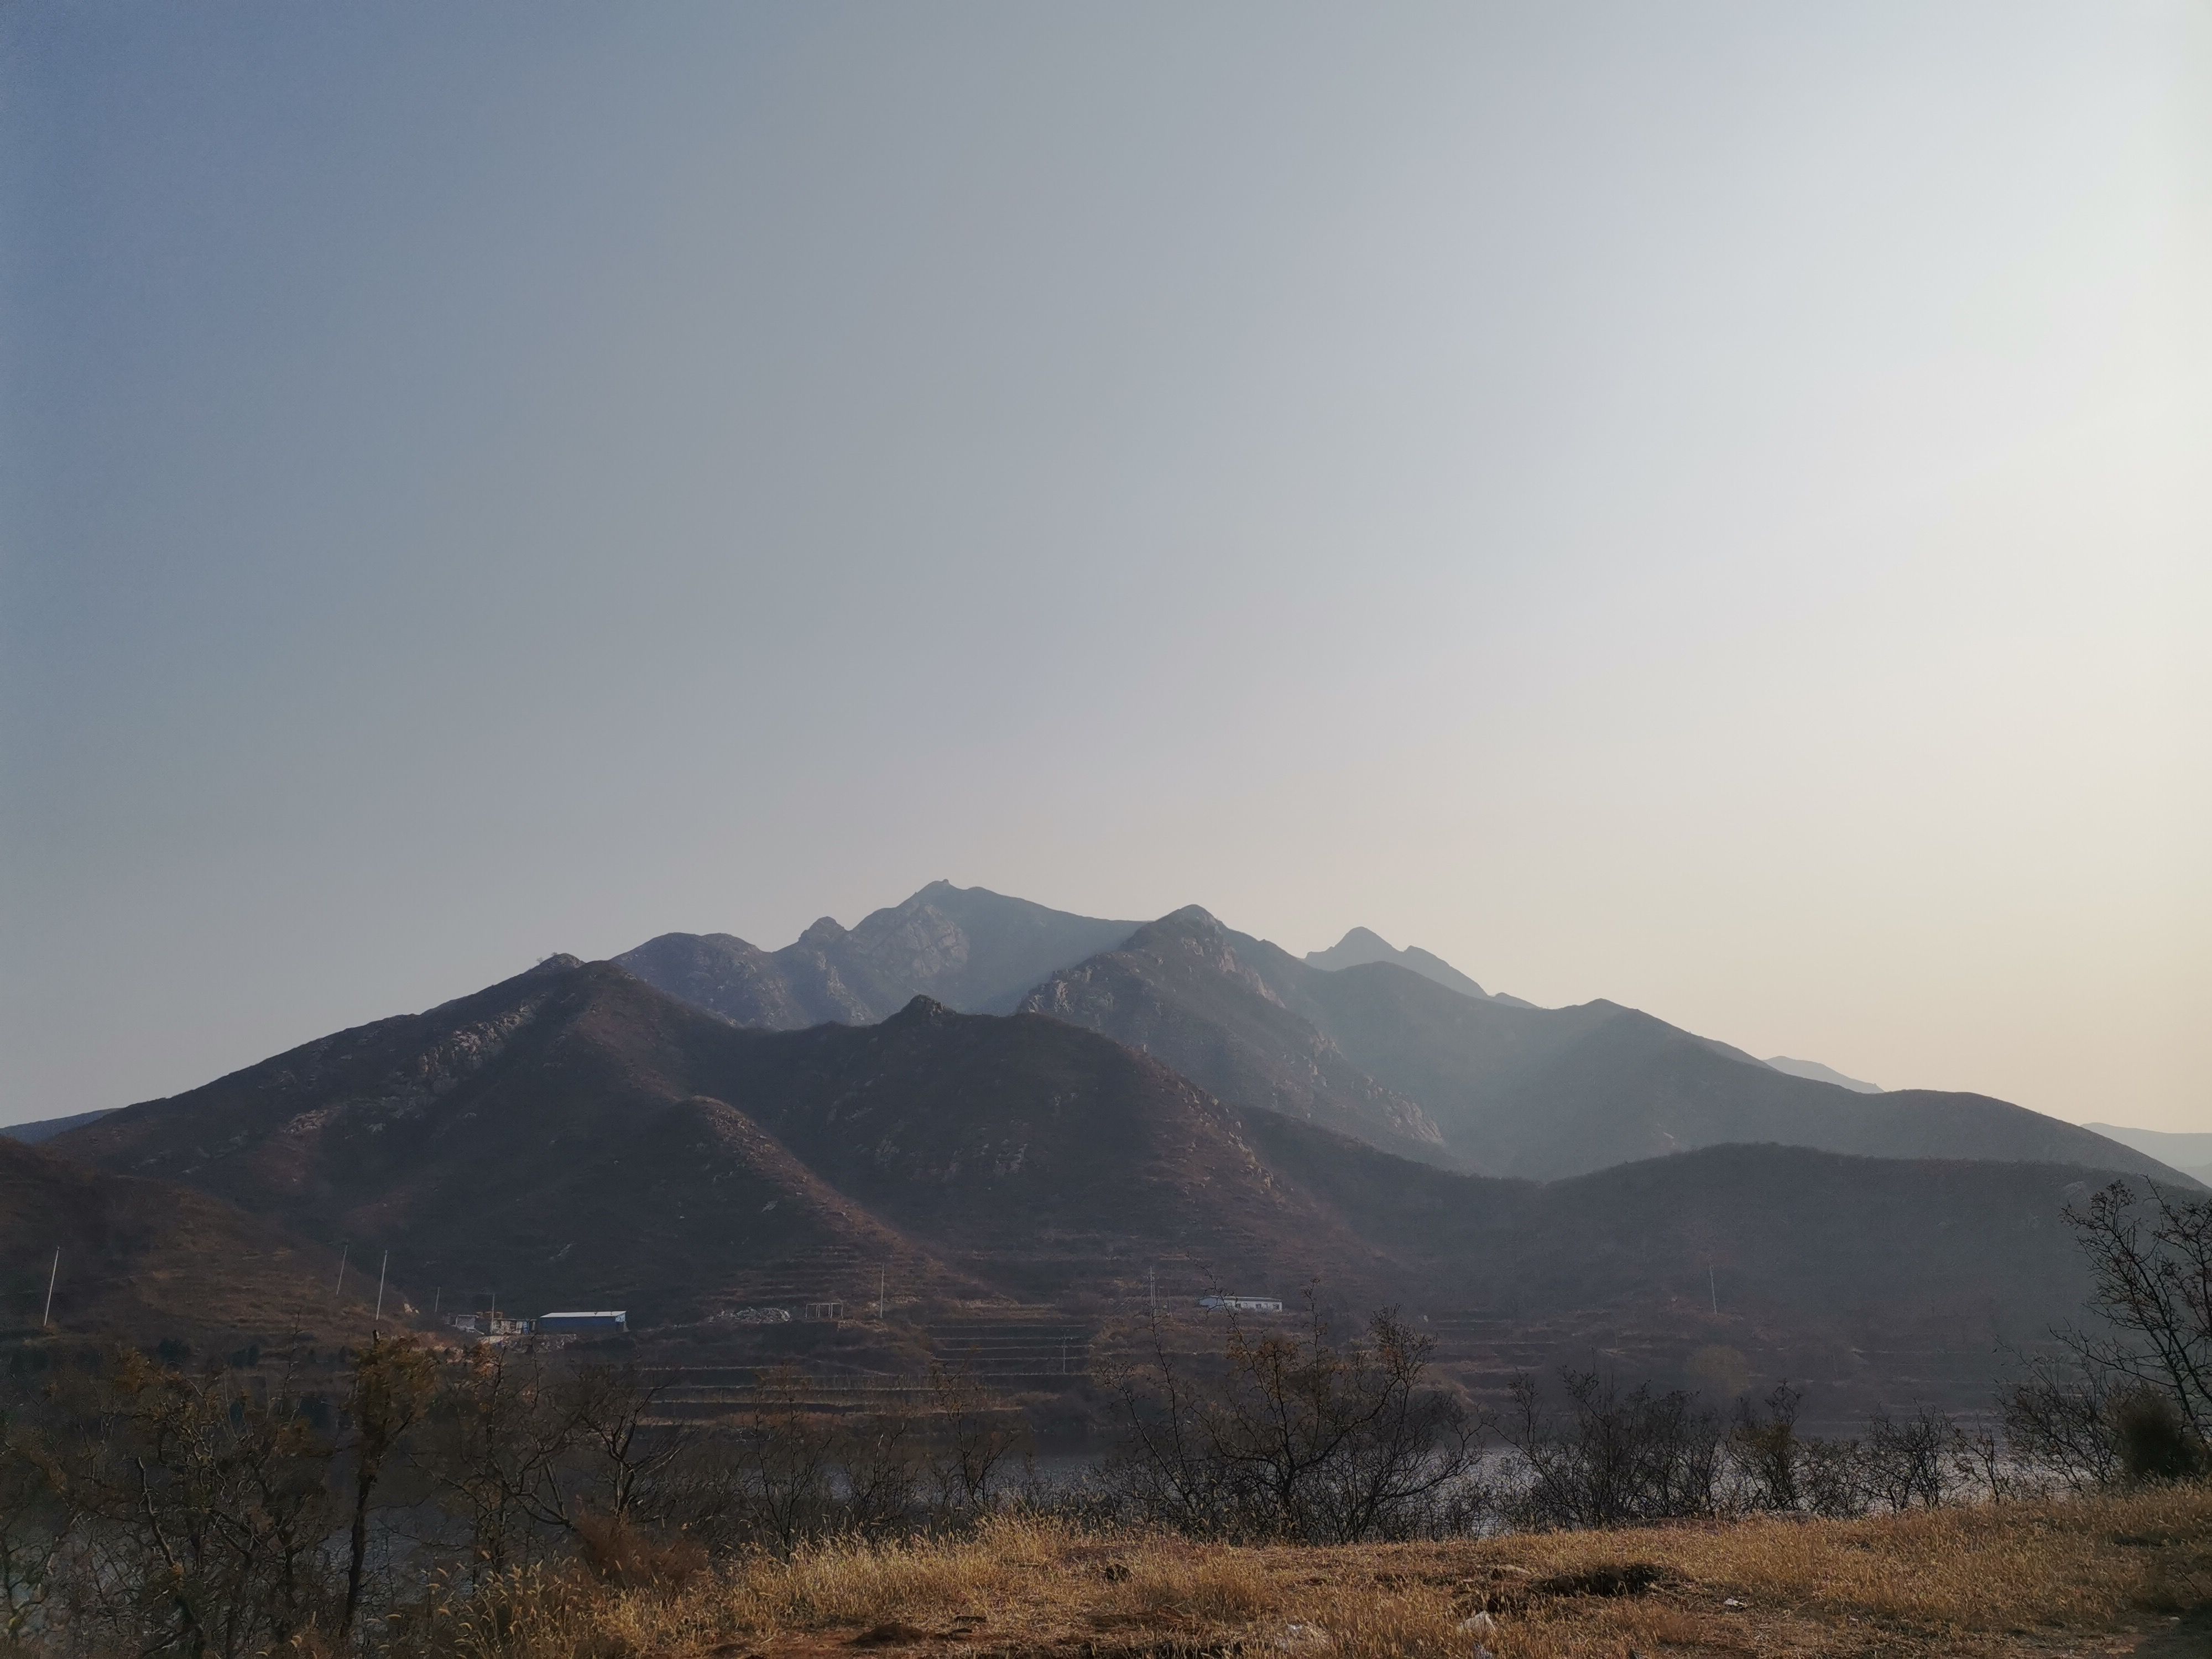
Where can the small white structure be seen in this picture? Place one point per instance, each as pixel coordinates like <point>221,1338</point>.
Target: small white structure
<point>1240,1304</point>
<point>753,1316</point>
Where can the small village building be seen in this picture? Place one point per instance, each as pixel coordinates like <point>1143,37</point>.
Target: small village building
<point>602,1322</point>
<point>1240,1303</point>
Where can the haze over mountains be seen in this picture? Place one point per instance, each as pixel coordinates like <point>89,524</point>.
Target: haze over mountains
<point>574,1135</point>
<point>701,1125</point>
<point>1508,1090</point>
<point>1395,1048</point>
<point>968,948</point>
<point>1819,1073</point>
<point>1363,945</point>
<point>2191,1154</point>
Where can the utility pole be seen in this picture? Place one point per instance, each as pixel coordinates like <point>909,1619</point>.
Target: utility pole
<point>378,1316</point>
<point>1153,1289</point>
<point>437,1297</point>
<point>340,1292</point>
<point>883,1277</point>
<point>1711,1290</point>
<point>47,1317</point>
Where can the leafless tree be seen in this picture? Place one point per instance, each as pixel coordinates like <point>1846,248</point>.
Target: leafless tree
<point>622,1451</point>
<point>1904,1459</point>
<point>2151,1259</point>
<point>498,1438</point>
<point>212,1511</point>
<point>393,1382</point>
<point>41,1519</point>
<point>1303,1437</point>
<point>1617,1457</point>
<point>1767,1451</point>
<point>973,1436</point>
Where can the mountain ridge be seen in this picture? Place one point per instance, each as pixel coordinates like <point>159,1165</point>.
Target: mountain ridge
<point>968,948</point>
<point>1469,1083</point>
<point>574,1136</point>
<point>1362,945</point>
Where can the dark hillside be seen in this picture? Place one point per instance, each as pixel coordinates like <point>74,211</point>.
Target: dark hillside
<point>144,1260</point>
<point>574,1136</point>
<point>556,1137</point>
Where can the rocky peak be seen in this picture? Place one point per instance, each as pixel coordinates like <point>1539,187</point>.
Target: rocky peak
<point>922,1011</point>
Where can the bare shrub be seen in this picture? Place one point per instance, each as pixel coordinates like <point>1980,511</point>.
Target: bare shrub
<point>209,1515</point>
<point>1616,1458</point>
<point>1306,1437</point>
<point>975,1434</point>
<point>1833,1474</point>
<point>2153,1441</point>
<point>1766,1452</point>
<point>1904,1459</point>
<point>2058,1427</point>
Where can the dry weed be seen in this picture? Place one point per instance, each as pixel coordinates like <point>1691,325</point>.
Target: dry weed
<point>1213,1585</point>
<point>1992,1581</point>
<point>862,1583</point>
<point>1422,1623</point>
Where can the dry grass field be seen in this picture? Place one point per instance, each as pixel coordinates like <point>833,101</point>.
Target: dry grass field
<point>2123,1575</point>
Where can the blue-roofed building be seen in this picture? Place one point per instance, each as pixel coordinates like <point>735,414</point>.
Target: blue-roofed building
<point>603,1323</point>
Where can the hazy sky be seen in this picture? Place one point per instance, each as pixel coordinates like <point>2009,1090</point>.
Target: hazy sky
<point>1705,506</point>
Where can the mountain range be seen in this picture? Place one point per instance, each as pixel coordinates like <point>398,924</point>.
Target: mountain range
<point>1392,1048</point>
<point>1129,1109</point>
<point>574,1136</point>
<point>1363,945</point>
<point>968,948</point>
<point>2190,1153</point>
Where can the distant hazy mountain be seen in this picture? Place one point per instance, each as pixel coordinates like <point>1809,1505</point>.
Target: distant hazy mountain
<point>574,1136</point>
<point>966,947</point>
<point>1403,1062</point>
<point>1819,1073</point>
<point>2191,1154</point>
<point>46,1128</point>
<point>1363,945</point>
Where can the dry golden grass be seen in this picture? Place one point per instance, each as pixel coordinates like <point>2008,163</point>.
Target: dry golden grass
<point>2013,1580</point>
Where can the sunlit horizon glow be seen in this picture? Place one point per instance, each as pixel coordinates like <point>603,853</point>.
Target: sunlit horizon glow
<point>1702,507</point>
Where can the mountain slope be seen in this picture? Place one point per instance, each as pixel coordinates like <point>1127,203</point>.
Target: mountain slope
<point>1819,1073</point>
<point>1203,1001</point>
<point>146,1260</point>
<point>574,1136</point>
<point>1363,945</point>
<point>968,948</point>
<point>2179,1148</point>
<point>45,1128</point>
<point>557,1138</point>
<point>1409,1065</point>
